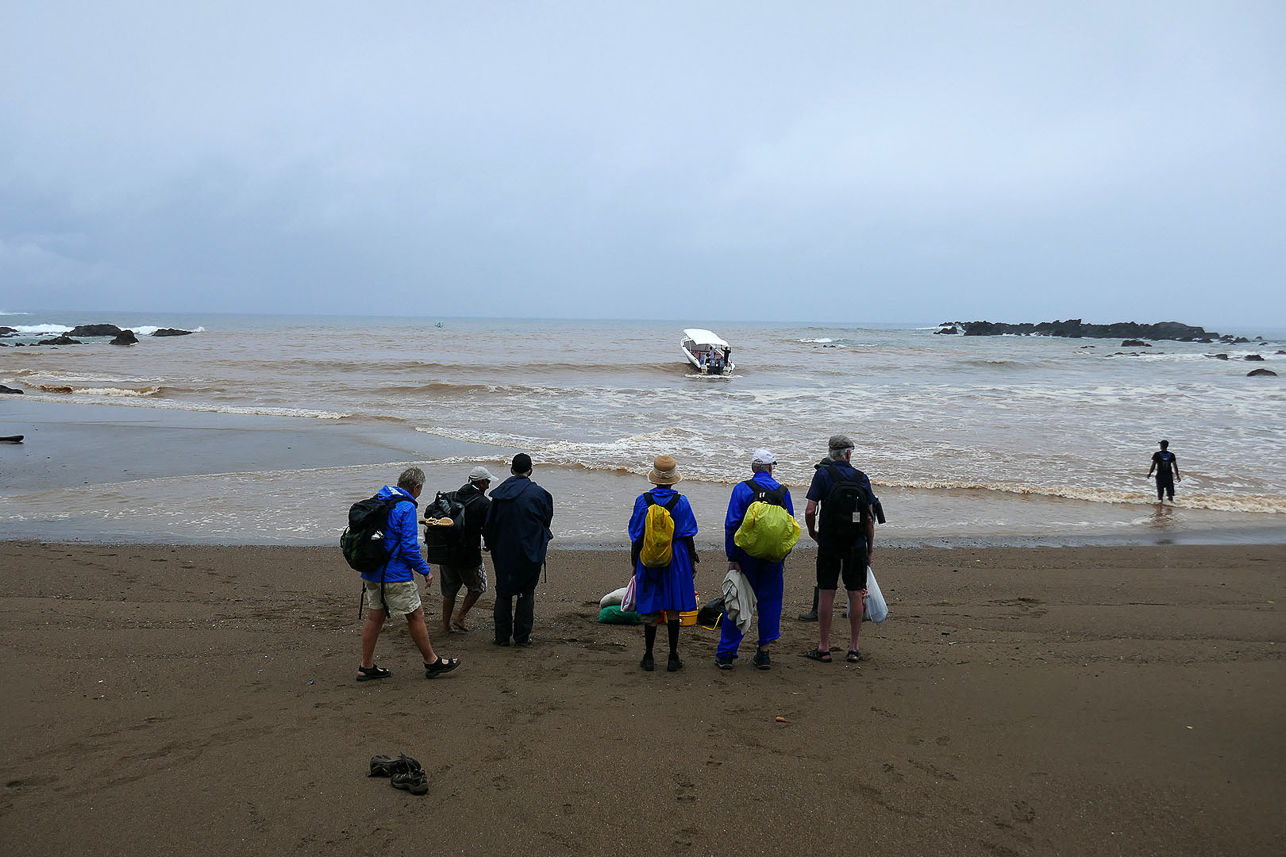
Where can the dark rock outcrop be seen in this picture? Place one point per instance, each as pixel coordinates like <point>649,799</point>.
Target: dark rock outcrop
<point>1254,357</point>
<point>1220,356</point>
<point>94,330</point>
<point>7,331</point>
<point>125,337</point>
<point>1267,372</point>
<point>171,331</point>
<point>1135,343</point>
<point>4,389</point>
<point>948,329</point>
<point>1075,328</point>
<point>59,340</point>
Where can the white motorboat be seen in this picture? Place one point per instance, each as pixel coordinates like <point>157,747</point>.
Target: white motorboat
<point>707,352</point>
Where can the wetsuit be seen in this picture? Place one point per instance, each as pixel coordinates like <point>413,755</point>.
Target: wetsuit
<point>1165,463</point>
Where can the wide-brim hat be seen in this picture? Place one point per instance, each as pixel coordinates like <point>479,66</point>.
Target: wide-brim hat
<point>665,471</point>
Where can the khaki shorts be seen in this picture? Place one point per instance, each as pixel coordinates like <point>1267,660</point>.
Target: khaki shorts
<point>452,577</point>
<point>402,598</point>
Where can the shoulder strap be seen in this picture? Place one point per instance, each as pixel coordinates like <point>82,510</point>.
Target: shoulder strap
<point>668,505</point>
<point>755,488</point>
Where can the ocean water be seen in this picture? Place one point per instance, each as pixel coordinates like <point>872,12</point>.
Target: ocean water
<point>977,437</point>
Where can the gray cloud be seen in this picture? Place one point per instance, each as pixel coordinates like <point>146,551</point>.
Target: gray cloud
<point>713,160</point>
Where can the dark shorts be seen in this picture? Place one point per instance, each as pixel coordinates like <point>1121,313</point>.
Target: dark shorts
<point>1165,485</point>
<point>834,561</point>
<point>454,576</point>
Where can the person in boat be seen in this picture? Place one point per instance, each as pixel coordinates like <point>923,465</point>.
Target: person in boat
<point>662,592</point>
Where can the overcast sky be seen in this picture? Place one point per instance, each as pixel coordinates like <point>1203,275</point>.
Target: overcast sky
<point>882,162</point>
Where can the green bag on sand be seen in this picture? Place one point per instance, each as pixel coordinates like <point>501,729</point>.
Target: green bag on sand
<point>614,615</point>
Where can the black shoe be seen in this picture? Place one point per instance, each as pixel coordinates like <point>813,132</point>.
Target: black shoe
<point>501,642</point>
<point>416,782</point>
<point>723,662</point>
<point>647,663</point>
<point>525,644</point>
<point>810,616</point>
<point>762,661</point>
<point>674,664</point>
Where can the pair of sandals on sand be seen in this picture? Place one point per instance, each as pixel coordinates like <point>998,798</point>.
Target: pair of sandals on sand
<point>441,666</point>
<point>825,657</point>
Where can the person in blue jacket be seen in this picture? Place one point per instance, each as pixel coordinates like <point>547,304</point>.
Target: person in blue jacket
<point>393,588</point>
<point>517,534</point>
<point>766,578</point>
<point>661,593</point>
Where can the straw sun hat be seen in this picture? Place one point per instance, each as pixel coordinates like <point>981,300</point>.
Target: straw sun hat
<point>665,471</point>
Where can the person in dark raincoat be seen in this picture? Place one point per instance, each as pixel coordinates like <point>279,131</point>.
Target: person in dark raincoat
<point>517,534</point>
<point>661,593</point>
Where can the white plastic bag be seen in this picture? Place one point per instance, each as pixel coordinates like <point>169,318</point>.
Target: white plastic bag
<point>628,600</point>
<point>876,609</point>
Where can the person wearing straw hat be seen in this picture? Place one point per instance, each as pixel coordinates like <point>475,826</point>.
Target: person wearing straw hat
<point>662,592</point>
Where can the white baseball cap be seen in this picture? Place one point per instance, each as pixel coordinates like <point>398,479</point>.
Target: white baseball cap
<point>763,456</point>
<point>480,473</point>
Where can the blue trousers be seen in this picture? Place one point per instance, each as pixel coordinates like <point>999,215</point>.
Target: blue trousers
<point>768,581</point>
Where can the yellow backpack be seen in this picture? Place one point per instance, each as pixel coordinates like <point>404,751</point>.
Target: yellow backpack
<point>658,533</point>
<point>767,531</point>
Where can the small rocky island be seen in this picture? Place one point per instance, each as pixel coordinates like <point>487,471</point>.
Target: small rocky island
<point>121,336</point>
<point>1074,328</point>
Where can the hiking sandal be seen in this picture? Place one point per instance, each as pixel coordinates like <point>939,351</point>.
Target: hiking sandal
<point>853,656</point>
<point>440,667</point>
<point>376,671</point>
<point>818,655</point>
<point>387,766</point>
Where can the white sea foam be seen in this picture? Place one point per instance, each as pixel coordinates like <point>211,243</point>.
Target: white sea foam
<point>40,329</point>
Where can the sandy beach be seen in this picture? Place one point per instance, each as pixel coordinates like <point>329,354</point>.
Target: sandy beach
<point>1088,700</point>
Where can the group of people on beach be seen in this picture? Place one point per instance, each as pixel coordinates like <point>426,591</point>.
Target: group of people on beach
<point>513,525</point>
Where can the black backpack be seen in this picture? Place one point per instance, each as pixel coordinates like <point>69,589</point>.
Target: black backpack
<point>845,508</point>
<point>440,543</point>
<point>365,548</point>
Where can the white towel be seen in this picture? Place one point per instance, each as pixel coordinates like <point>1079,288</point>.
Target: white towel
<point>739,602</point>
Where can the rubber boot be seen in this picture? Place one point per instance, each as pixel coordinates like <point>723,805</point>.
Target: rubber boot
<point>811,615</point>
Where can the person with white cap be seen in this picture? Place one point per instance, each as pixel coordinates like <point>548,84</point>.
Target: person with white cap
<point>767,578</point>
<point>459,552</point>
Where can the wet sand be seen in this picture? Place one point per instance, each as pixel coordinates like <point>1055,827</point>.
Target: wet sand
<point>199,699</point>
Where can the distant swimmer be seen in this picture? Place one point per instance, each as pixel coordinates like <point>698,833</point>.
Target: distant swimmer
<point>1166,466</point>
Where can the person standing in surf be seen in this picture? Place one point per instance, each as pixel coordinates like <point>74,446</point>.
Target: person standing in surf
<point>663,586</point>
<point>1166,465</point>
